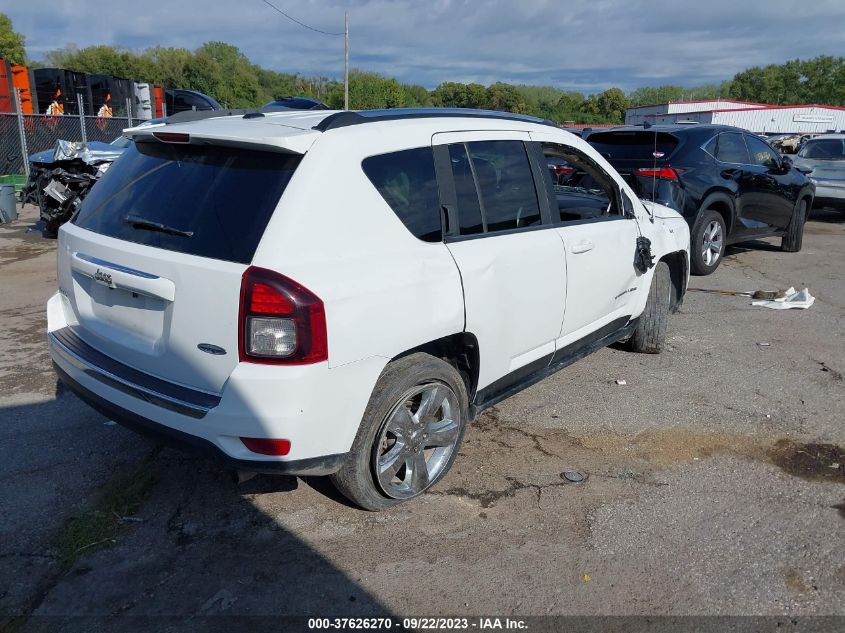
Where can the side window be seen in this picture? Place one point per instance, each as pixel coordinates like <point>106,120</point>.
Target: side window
<point>762,154</point>
<point>582,190</point>
<point>179,104</point>
<point>193,101</point>
<point>505,184</point>
<point>469,209</point>
<point>407,182</point>
<point>730,148</point>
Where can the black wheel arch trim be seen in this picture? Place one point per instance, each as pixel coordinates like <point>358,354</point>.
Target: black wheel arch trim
<point>725,197</point>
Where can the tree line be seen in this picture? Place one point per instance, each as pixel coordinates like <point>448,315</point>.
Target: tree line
<point>224,72</point>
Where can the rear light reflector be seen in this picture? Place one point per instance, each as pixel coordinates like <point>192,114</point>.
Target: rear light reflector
<point>280,321</point>
<point>664,173</point>
<point>265,446</point>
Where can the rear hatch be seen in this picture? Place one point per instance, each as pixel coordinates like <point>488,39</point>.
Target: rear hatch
<point>643,159</point>
<point>151,266</point>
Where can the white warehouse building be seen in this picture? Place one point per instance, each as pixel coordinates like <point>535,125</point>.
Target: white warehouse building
<point>755,117</point>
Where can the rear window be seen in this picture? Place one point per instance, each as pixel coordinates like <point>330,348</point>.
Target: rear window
<point>200,200</point>
<point>641,146</point>
<point>824,149</point>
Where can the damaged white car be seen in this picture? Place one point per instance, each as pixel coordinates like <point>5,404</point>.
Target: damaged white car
<point>217,291</point>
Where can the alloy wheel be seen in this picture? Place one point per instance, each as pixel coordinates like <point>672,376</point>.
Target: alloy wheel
<point>711,249</point>
<point>417,440</point>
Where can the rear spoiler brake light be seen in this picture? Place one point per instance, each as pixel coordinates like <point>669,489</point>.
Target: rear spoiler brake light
<point>172,137</point>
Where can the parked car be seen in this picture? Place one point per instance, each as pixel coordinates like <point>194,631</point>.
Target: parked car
<point>729,184</point>
<point>558,168</point>
<point>788,143</point>
<point>214,292</point>
<point>822,158</point>
<point>179,100</point>
<point>294,103</point>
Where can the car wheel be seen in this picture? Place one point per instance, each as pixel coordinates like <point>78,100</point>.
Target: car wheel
<point>794,237</point>
<point>708,242</point>
<point>410,434</point>
<point>650,332</point>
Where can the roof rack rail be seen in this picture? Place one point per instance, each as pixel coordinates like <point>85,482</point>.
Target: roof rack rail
<point>199,115</point>
<point>347,118</point>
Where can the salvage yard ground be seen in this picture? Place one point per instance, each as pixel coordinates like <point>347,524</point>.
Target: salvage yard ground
<point>716,481</point>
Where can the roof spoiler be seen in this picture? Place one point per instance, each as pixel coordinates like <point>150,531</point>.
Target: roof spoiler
<point>199,115</point>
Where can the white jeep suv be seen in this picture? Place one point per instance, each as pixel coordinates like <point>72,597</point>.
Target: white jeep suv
<point>340,293</point>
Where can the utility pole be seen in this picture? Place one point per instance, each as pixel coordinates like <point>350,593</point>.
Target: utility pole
<point>345,60</point>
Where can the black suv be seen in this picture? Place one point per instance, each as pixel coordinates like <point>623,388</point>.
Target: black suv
<point>729,184</point>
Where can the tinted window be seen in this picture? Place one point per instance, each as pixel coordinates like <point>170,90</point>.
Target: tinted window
<point>824,149</point>
<point>633,145</point>
<point>223,196</point>
<point>407,182</point>
<point>583,190</point>
<point>730,148</point>
<point>505,183</point>
<point>469,210</point>
<point>762,154</point>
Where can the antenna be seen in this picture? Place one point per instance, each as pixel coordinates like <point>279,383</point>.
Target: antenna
<point>653,177</point>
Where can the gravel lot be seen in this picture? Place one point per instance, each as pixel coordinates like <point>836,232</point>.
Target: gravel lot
<point>712,482</point>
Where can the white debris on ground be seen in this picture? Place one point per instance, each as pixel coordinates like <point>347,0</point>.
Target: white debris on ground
<point>792,299</point>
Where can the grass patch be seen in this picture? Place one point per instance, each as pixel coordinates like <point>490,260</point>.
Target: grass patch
<point>101,523</point>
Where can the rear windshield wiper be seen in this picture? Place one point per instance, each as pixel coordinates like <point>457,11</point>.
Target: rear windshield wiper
<point>142,223</point>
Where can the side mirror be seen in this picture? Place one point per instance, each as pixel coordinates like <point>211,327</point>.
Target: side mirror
<point>786,163</point>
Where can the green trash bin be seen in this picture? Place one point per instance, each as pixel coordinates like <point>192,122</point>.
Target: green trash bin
<point>8,206</point>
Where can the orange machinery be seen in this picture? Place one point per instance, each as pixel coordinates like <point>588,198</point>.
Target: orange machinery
<point>15,77</point>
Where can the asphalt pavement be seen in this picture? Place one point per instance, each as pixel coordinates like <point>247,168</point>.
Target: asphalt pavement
<point>715,482</point>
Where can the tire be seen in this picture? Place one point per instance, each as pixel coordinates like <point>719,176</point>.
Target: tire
<point>793,239</point>
<point>703,240</point>
<point>389,435</point>
<point>650,333</point>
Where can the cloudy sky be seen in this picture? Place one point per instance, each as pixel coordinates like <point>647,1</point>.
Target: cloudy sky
<point>585,45</point>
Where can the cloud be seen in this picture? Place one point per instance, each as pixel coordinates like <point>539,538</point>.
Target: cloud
<point>585,45</point>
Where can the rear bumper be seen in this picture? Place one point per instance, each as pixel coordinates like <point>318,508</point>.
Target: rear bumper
<point>829,196</point>
<point>316,408</point>
<point>315,466</point>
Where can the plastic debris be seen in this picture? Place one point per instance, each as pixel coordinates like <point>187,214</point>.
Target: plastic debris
<point>764,344</point>
<point>791,299</point>
<point>573,476</point>
<point>621,381</point>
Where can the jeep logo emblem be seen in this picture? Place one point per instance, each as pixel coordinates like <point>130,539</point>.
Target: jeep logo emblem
<point>102,277</point>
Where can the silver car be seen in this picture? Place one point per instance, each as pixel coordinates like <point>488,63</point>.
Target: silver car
<point>823,159</point>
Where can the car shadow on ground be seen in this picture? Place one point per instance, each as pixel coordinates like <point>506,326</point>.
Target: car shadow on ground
<point>198,552</point>
<point>827,214</point>
<point>751,245</point>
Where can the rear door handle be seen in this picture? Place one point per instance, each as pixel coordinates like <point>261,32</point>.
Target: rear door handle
<point>582,247</point>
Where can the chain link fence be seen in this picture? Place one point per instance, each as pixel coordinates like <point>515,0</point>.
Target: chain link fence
<point>41,131</point>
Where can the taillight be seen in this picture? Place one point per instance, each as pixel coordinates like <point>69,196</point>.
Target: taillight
<point>280,321</point>
<point>664,173</point>
<point>560,170</point>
